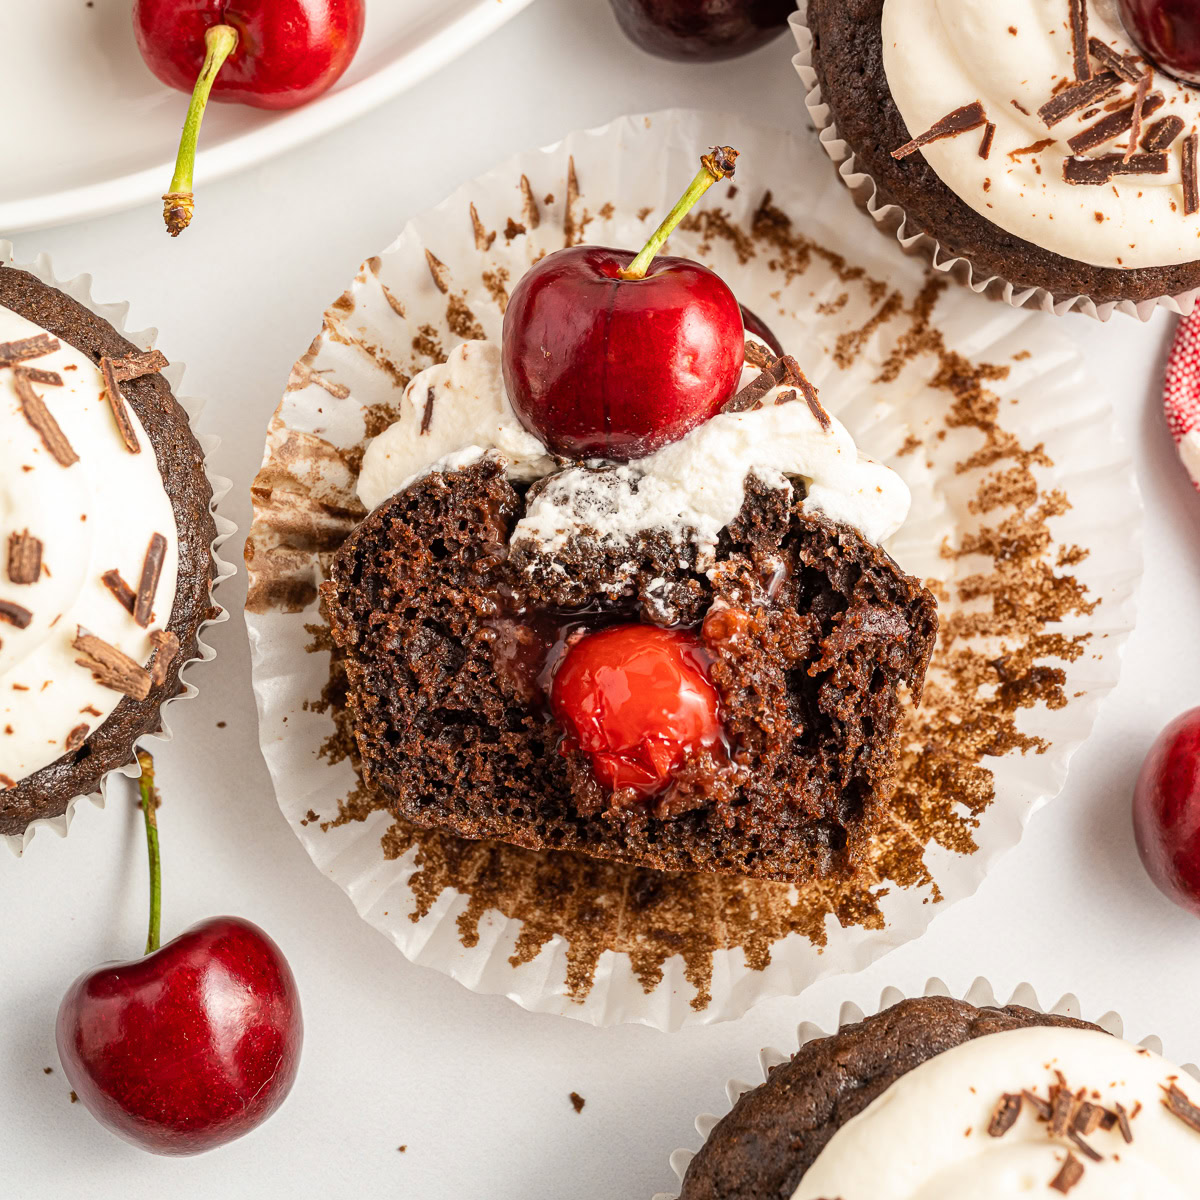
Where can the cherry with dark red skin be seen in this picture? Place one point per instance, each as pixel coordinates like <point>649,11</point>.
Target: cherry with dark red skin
<point>758,329</point>
<point>638,701</point>
<point>191,1046</point>
<point>702,30</point>
<point>1168,33</point>
<point>1166,811</point>
<point>611,355</point>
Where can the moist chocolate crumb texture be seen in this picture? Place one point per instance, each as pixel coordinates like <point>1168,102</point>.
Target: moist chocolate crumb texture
<point>485,561</point>
<point>937,1099</point>
<point>105,548</point>
<point>1029,137</point>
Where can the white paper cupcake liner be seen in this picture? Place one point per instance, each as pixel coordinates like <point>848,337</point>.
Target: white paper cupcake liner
<point>80,289</point>
<point>305,506</point>
<point>981,994</point>
<point>892,218</point>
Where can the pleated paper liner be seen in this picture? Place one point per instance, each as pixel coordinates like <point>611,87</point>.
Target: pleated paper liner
<point>80,289</point>
<point>1025,521</point>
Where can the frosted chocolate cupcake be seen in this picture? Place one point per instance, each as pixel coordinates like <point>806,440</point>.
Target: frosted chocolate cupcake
<point>105,548</point>
<point>1027,138</point>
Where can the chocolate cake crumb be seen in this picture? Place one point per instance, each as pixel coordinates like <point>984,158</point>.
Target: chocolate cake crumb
<point>577,1102</point>
<point>1178,1105</point>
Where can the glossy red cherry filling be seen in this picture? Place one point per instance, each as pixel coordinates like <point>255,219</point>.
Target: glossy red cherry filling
<point>638,701</point>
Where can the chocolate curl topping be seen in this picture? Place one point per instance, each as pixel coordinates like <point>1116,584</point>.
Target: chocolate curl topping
<point>40,417</point>
<point>1100,170</point>
<point>1114,124</point>
<point>15,614</point>
<point>76,738</point>
<point>785,370</point>
<point>24,558</point>
<point>111,667</point>
<point>1068,1176</point>
<point>985,144</point>
<point>1178,1105</point>
<point>1079,96</point>
<point>120,589</point>
<point>1005,1115</point>
<point>1079,39</point>
<point>1082,1146</point>
<point>167,647</point>
<point>1124,65</point>
<point>12,353</point>
<point>1123,1122</point>
<point>757,355</point>
<point>1162,133</point>
<point>38,375</point>
<point>152,566</point>
<point>1139,105</point>
<point>1191,187</point>
<point>970,116</point>
<point>138,363</point>
<point>117,403</point>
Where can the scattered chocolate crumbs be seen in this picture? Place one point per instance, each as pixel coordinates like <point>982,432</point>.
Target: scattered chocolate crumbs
<point>483,238</point>
<point>529,205</point>
<point>1097,171</point>
<point>24,558</point>
<point>572,224</point>
<point>1191,187</point>
<point>26,348</point>
<point>1139,104</point>
<point>1019,107</point>
<point>1005,1115</point>
<point>985,143</point>
<point>15,614</point>
<point>577,1102</point>
<point>152,565</point>
<point>513,229</point>
<point>74,1098</point>
<point>166,647</point>
<point>757,355</point>
<point>34,410</point>
<point>1121,64</point>
<point>1162,133</point>
<point>1036,148</point>
<point>782,370</point>
<point>1068,1176</point>
<point>1077,96</point>
<point>961,120</point>
<point>120,589</point>
<point>403,1149</point>
<point>137,363</point>
<point>76,738</point>
<point>111,667</point>
<point>116,402</point>
<point>1079,39</point>
<point>47,1070</point>
<point>1178,1105</point>
<point>1115,124</point>
<point>1123,1122</point>
<point>438,271</point>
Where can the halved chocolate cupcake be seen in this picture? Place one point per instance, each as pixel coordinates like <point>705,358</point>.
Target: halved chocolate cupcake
<point>106,554</point>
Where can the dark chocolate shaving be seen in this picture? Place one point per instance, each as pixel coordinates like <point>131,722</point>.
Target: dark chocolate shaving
<point>1114,124</point>
<point>152,566</point>
<point>1191,188</point>
<point>42,419</point>
<point>1079,39</point>
<point>76,738</point>
<point>1005,1114</point>
<point>1139,104</point>
<point>1087,1118</point>
<point>111,667</point>
<point>814,404</point>
<point>985,143</point>
<point>166,648</point>
<point>1162,133</point>
<point>138,363</point>
<point>119,588</point>
<point>757,355</point>
<point>25,348</point>
<point>1125,65</point>
<point>1070,1173</point>
<point>1178,1105</point>
<point>970,116</point>
<point>15,614</point>
<point>782,370</point>
<point>117,403</point>
<point>427,415</point>
<point>38,375</point>
<point>1078,96</point>
<point>787,397</point>
<point>1082,1146</point>
<point>1062,1104</point>
<point>1092,171</point>
<point>1123,1122</point>
<point>24,558</point>
<point>1039,1105</point>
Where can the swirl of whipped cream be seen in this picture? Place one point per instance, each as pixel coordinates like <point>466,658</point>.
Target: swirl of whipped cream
<point>94,516</point>
<point>454,413</point>
<point>1013,57</point>
<point>926,1137</point>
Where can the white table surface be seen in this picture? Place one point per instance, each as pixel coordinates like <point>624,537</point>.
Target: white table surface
<point>475,1087</point>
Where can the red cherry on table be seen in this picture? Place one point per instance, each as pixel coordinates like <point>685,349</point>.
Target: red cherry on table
<point>1167,32</point>
<point>702,30</point>
<point>192,1045</point>
<point>611,355</point>
<point>1166,811</point>
<point>266,53</point>
<point>637,700</point>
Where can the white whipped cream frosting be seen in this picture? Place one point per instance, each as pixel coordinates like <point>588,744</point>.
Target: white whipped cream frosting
<point>693,487</point>
<point>94,516</point>
<point>942,54</point>
<point>925,1137</point>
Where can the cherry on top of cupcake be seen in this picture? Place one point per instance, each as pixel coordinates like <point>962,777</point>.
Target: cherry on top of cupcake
<point>1168,33</point>
<point>611,354</point>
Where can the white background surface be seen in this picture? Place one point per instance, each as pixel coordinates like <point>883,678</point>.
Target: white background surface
<point>476,1088</point>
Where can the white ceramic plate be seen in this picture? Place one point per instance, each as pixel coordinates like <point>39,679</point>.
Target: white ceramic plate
<point>100,132</point>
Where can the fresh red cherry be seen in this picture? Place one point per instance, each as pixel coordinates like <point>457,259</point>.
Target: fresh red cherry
<point>611,355</point>
<point>191,1046</point>
<point>702,30</point>
<point>1166,811</point>
<point>1168,33</point>
<point>638,701</point>
<point>266,53</point>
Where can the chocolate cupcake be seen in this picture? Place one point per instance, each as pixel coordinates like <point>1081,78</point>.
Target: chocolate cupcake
<point>106,562</point>
<point>1028,144</point>
<point>935,1097</point>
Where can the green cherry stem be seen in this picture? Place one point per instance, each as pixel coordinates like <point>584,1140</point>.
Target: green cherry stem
<point>714,167</point>
<point>178,203</point>
<point>150,816</point>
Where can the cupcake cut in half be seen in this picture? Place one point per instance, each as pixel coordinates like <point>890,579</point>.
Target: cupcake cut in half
<point>1030,138</point>
<point>105,554</point>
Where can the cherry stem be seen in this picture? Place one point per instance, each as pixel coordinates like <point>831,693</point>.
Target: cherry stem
<point>714,167</point>
<point>150,814</point>
<point>178,203</point>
